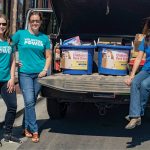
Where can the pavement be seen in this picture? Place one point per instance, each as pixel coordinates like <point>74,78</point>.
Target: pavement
<point>20,107</point>
<point>20,104</point>
<point>41,114</point>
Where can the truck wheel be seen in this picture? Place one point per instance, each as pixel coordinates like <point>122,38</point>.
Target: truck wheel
<point>55,109</point>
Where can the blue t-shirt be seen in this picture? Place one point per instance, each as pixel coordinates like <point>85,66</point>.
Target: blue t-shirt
<point>145,49</point>
<point>31,50</point>
<point>5,60</point>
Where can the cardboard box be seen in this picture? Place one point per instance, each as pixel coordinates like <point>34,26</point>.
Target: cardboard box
<point>109,40</point>
<point>136,43</point>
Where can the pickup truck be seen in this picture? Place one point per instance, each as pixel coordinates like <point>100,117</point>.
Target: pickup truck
<point>89,20</point>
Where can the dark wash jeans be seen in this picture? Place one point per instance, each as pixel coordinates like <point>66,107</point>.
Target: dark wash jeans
<point>11,104</point>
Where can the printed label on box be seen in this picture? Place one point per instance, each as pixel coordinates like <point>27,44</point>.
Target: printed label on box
<point>73,59</point>
<point>114,59</point>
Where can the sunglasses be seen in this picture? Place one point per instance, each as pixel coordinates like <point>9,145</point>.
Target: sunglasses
<point>36,21</point>
<point>3,24</point>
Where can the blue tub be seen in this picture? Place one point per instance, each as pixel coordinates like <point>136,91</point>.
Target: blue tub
<point>113,59</point>
<point>80,60</point>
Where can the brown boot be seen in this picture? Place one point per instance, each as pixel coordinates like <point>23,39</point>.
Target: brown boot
<point>133,123</point>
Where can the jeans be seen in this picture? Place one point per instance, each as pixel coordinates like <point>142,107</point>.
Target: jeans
<point>30,89</point>
<point>139,94</point>
<point>11,104</point>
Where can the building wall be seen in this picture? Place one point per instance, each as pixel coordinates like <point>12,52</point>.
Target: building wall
<point>1,6</point>
<point>6,7</point>
<point>34,4</point>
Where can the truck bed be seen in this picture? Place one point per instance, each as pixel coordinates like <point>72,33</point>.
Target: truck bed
<point>94,83</point>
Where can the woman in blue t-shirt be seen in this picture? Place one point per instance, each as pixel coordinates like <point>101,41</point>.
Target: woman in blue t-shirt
<point>35,58</point>
<point>140,84</point>
<point>7,79</point>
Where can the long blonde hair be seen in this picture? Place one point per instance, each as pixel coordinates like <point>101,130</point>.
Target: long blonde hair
<point>7,32</point>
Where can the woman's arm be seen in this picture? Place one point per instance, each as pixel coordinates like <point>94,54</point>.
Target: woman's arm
<point>48,55</point>
<point>11,82</point>
<point>135,67</point>
<point>137,63</point>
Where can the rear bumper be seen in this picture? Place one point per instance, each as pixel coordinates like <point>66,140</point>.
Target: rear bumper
<point>91,97</point>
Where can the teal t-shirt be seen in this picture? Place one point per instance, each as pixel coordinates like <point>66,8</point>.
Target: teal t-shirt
<point>31,49</point>
<point>145,49</point>
<point>5,60</point>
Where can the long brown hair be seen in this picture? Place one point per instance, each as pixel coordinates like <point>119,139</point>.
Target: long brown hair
<point>7,32</point>
<point>146,31</point>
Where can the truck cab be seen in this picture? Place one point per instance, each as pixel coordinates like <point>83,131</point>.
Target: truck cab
<point>110,20</point>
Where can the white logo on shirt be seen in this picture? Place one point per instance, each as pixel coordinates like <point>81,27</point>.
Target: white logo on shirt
<point>33,42</point>
<point>5,49</point>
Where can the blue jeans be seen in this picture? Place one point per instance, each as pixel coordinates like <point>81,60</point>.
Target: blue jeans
<point>139,94</point>
<point>30,89</point>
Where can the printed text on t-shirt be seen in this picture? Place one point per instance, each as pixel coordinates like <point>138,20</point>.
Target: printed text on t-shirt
<point>33,42</point>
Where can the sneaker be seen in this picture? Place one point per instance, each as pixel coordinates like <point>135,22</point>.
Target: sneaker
<point>133,123</point>
<point>11,139</point>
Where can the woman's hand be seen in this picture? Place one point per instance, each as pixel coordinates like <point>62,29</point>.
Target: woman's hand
<point>129,80</point>
<point>42,74</point>
<point>11,85</point>
<point>19,64</point>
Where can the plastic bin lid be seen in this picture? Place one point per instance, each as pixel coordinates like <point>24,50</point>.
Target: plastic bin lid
<point>78,47</point>
<point>114,46</point>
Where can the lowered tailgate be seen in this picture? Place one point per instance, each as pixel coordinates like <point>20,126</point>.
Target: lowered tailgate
<point>86,83</point>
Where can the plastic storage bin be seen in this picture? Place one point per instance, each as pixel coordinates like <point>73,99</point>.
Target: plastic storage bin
<point>113,59</point>
<point>77,59</point>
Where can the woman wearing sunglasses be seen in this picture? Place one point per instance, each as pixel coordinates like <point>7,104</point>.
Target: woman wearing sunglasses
<point>7,79</point>
<point>35,59</point>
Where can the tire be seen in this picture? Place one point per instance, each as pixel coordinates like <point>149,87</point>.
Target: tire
<point>55,109</point>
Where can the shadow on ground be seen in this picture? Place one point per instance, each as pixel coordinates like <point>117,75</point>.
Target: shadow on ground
<point>83,119</point>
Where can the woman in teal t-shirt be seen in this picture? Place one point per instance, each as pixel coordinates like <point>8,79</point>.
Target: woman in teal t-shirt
<point>35,59</point>
<point>7,79</point>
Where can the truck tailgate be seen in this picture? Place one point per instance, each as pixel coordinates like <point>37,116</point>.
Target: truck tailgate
<point>86,83</point>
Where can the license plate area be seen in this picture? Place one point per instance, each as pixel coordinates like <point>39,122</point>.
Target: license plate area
<point>103,95</point>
